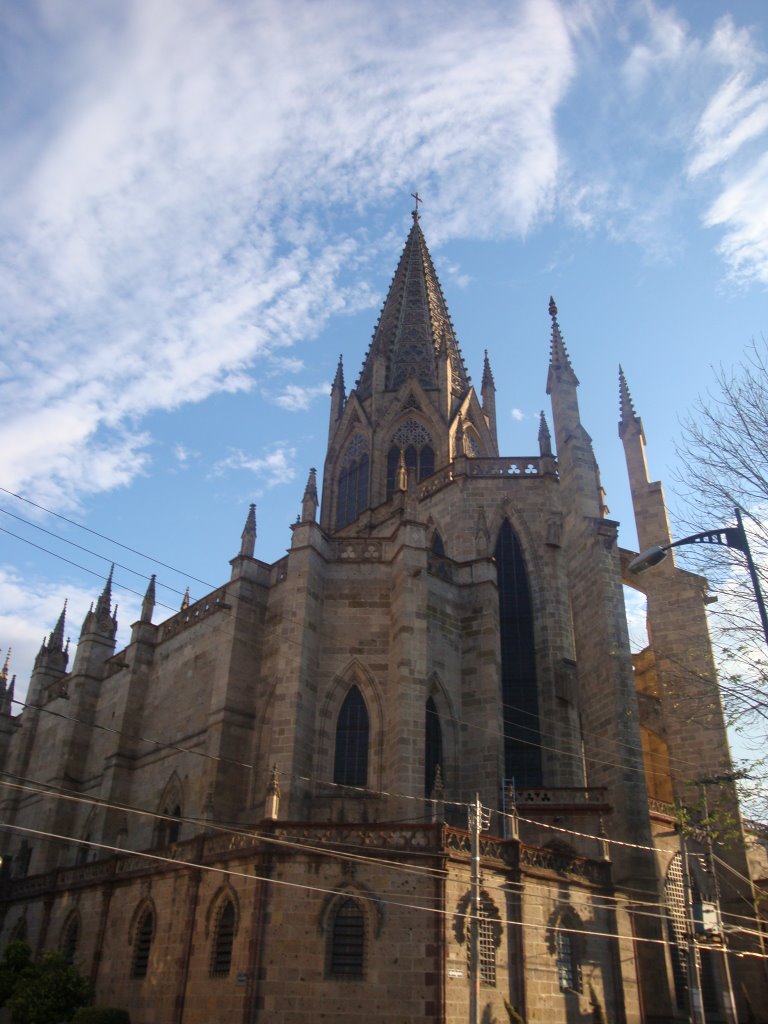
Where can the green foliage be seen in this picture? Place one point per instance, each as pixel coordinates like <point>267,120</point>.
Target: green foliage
<point>16,958</point>
<point>101,1015</point>
<point>45,991</point>
<point>598,1017</point>
<point>514,1016</point>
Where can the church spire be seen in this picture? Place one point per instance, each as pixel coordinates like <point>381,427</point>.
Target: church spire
<point>56,639</point>
<point>248,536</point>
<point>413,319</point>
<point>560,369</point>
<point>104,603</point>
<point>488,395</point>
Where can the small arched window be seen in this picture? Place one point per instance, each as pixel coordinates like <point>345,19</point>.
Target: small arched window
<point>348,940</point>
<point>145,930</point>
<point>69,939</point>
<point>350,766</point>
<point>223,939</point>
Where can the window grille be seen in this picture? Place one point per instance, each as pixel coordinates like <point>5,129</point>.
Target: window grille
<point>565,961</point>
<point>487,949</point>
<point>142,945</point>
<point>221,954</point>
<point>351,761</point>
<point>674,897</point>
<point>348,940</point>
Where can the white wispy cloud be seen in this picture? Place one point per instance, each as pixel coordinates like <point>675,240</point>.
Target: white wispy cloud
<point>296,398</point>
<point>517,414</point>
<point>275,466</point>
<point>160,163</point>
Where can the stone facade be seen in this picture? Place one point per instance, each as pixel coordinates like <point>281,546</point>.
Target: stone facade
<point>257,811</point>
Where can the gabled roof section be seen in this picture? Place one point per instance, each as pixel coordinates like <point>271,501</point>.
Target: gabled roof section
<point>413,326</point>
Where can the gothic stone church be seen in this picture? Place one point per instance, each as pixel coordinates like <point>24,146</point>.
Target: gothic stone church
<point>257,811</point>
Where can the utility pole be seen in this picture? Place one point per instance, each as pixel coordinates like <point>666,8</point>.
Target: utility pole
<point>479,820</point>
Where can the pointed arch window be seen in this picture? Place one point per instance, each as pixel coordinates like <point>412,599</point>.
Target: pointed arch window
<point>350,766</point>
<point>223,940</point>
<point>348,940</point>
<point>70,938</point>
<point>142,945</point>
<point>519,687</point>
<point>414,442</point>
<point>433,746</point>
<point>352,490</point>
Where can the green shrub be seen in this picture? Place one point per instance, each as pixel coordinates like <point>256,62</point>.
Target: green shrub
<point>101,1015</point>
<point>48,991</point>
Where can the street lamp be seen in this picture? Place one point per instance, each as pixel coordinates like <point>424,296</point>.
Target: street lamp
<point>726,536</point>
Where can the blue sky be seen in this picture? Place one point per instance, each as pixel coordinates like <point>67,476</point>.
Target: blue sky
<point>202,204</point>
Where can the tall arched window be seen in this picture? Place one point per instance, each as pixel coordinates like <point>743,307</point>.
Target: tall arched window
<point>70,937</point>
<point>519,688</point>
<point>414,442</point>
<point>347,954</point>
<point>433,746</point>
<point>145,930</point>
<point>352,492</point>
<point>223,939</point>
<point>350,766</point>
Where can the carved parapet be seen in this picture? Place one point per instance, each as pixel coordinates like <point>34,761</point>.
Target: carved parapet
<point>195,613</point>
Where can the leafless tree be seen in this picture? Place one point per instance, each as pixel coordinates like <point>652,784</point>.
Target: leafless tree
<point>723,459</point>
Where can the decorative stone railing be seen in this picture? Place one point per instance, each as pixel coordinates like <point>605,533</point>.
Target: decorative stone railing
<point>661,807</point>
<point>516,467</point>
<point>201,609</point>
<point>557,796</point>
<point>561,863</point>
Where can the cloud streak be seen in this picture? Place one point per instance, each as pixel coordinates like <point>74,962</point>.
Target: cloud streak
<point>162,164</point>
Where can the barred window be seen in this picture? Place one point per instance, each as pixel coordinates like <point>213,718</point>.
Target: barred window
<point>142,945</point>
<point>351,761</point>
<point>221,953</point>
<point>568,968</point>
<point>487,949</point>
<point>348,940</point>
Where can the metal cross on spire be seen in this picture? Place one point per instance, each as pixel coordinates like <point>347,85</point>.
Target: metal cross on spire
<point>418,200</point>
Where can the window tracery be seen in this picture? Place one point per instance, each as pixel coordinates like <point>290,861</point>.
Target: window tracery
<point>352,492</point>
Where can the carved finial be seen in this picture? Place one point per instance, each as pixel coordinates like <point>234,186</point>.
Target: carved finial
<point>6,664</point>
<point>627,415</point>
<point>148,604</point>
<point>248,536</point>
<point>185,600</point>
<point>309,502</point>
<point>338,380</point>
<point>104,603</point>
<point>560,369</point>
<point>458,440</point>
<point>272,809</point>
<point>488,381</point>
<point>56,639</point>
<point>402,473</point>
<point>545,438</point>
